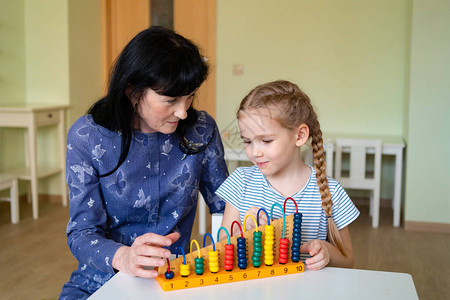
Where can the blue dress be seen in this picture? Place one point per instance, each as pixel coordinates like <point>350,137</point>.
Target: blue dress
<point>154,190</point>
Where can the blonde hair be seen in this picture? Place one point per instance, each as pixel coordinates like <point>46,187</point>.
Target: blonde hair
<point>293,108</point>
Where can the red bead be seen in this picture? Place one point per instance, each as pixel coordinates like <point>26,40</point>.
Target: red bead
<point>284,249</point>
<point>229,257</point>
<point>284,241</point>
<point>282,260</point>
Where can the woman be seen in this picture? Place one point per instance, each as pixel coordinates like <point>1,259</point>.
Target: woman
<point>136,162</point>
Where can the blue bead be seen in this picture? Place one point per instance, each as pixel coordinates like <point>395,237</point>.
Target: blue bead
<point>242,260</point>
<point>297,226</point>
<point>169,275</point>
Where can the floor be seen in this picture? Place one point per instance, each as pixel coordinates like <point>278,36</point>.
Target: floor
<point>36,261</point>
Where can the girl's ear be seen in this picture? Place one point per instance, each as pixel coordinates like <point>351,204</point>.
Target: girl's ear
<point>302,135</point>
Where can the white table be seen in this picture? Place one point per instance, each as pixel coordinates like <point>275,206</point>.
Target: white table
<point>30,117</point>
<point>392,145</point>
<point>328,283</point>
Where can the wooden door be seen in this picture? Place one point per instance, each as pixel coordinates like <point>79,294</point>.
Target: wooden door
<point>194,19</point>
<point>121,21</point>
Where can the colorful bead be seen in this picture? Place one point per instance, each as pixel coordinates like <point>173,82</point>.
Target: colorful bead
<point>268,244</point>
<point>284,248</point>
<point>241,253</point>
<point>185,270</point>
<point>229,257</point>
<point>199,266</point>
<point>213,261</point>
<point>169,275</point>
<point>296,237</point>
<point>257,249</point>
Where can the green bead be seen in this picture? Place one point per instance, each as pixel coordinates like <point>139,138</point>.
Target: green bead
<point>199,266</point>
<point>256,258</point>
<point>199,271</point>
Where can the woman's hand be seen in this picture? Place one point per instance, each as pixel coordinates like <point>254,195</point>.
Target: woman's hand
<point>252,211</point>
<point>145,251</point>
<point>320,256</point>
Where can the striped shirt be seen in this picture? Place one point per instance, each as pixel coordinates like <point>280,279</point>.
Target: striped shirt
<point>247,187</point>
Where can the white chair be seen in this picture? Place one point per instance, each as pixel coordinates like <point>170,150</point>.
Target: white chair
<point>11,182</point>
<point>357,179</point>
<point>216,218</point>
<point>216,222</point>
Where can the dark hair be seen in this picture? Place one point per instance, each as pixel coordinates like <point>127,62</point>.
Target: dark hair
<point>293,108</point>
<point>156,58</point>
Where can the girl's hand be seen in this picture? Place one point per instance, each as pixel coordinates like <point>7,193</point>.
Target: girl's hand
<point>320,256</point>
<point>249,223</point>
<point>145,251</point>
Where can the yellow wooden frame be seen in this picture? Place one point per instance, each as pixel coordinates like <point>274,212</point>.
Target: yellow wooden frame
<point>208,278</point>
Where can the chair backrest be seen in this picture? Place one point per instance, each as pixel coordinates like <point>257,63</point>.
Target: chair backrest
<point>216,221</point>
<point>358,149</point>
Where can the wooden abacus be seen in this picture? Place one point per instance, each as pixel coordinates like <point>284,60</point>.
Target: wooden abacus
<point>177,275</point>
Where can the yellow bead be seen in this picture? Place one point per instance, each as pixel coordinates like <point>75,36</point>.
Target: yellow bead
<point>185,270</point>
<point>213,264</point>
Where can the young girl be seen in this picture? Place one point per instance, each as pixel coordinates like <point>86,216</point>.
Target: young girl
<point>275,120</point>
